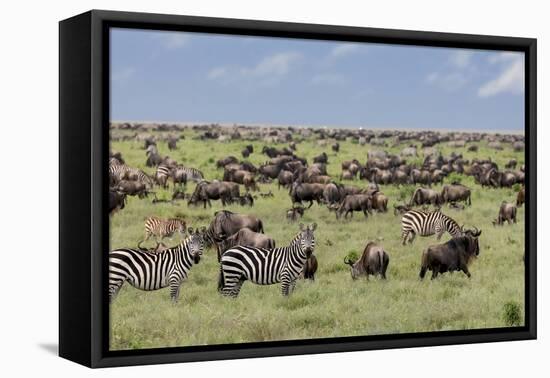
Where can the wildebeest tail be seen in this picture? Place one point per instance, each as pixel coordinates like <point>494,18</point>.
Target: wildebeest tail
<point>424,264</point>
<point>220,279</point>
<point>413,197</point>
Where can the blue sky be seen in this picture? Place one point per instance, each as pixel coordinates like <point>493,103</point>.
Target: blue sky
<point>190,77</point>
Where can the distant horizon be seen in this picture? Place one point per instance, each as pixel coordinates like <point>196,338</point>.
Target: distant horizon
<point>184,75</point>
<point>318,126</point>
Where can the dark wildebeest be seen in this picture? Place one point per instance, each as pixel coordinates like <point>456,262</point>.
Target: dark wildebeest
<point>117,201</point>
<point>520,199</point>
<point>292,215</point>
<point>373,261</point>
<point>227,160</point>
<point>323,158</point>
<point>400,209</point>
<point>172,143</point>
<point>306,192</point>
<point>245,153</point>
<point>336,147</point>
<point>245,237</point>
<point>423,196</point>
<point>331,194</point>
<point>245,200</point>
<point>456,192</point>
<point>310,268</point>
<point>355,202</point>
<point>451,256</point>
<point>346,175</point>
<point>511,164</point>
<point>132,188</point>
<point>285,179</point>
<point>506,213</point>
<point>206,191</point>
<point>227,223</point>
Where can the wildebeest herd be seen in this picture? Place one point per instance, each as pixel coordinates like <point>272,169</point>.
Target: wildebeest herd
<point>246,253</point>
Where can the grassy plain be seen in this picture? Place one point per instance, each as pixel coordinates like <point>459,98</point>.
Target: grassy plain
<point>333,305</point>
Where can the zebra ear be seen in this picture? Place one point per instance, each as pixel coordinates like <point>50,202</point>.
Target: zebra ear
<point>313,226</point>
<point>301,227</point>
<point>203,229</point>
<point>190,230</point>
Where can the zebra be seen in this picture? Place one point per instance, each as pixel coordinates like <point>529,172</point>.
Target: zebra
<point>266,266</point>
<point>161,228</point>
<point>162,175</point>
<point>117,172</point>
<point>148,271</point>
<point>428,223</point>
<point>192,174</point>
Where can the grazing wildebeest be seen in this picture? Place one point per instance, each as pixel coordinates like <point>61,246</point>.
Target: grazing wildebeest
<point>244,237</point>
<point>206,191</point>
<point>310,268</point>
<point>520,199</point>
<point>506,213</point>
<point>117,201</point>
<point>454,255</point>
<point>227,160</point>
<point>423,196</point>
<point>306,192</point>
<point>401,209</point>
<point>132,188</point>
<point>336,147</point>
<point>245,153</point>
<point>245,200</point>
<point>227,223</point>
<point>379,202</point>
<point>456,192</point>
<point>292,215</point>
<point>323,158</point>
<point>511,164</point>
<point>347,175</point>
<point>373,261</point>
<point>355,202</point>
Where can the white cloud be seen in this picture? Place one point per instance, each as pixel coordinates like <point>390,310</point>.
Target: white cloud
<point>344,49</point>
<point>328,79</point>
<point>450,82</point>
<point>217,73</point>
<point>123,74</point>
<point>510,80</point>
<point>461,58</point>
<point>172,40</point>
<point>274,65</point>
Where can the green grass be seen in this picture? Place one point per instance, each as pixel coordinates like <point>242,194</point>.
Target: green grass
<point>333,305</point>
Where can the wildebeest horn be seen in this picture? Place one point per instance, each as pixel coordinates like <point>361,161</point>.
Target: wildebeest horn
<point>476,232</point>
<point>348,261</point>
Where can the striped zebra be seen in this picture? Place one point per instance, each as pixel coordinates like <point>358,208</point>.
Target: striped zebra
<point>152,271</point>
<point>266,266</point>
<point>192,174</point>
<point>162,228</point>
<point>117,172</point>
<point>162,175</point>
<point>426,224</point>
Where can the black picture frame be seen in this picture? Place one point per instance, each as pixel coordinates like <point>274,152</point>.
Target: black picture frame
<point>83,154</point>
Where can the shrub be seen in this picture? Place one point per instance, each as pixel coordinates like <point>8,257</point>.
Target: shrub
<point>512,314</point>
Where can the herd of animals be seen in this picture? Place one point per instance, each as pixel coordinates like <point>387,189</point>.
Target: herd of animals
<point>246,253</point>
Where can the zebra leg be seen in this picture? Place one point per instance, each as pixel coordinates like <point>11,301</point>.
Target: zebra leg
<point>404,237</point>
<point>175,285</point>
<point>114,288</point>
<point>412,236</point>
<point>292,286</point>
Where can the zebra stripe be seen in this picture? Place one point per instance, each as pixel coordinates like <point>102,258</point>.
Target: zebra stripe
<point>426,224</point>
<point>162,174</point>
<point>266,266</point>
<point>162,228</point>
<point>152,271</point>
<point>192,174</point>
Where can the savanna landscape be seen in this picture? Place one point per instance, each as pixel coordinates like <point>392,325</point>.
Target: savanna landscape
<point>490,165</point>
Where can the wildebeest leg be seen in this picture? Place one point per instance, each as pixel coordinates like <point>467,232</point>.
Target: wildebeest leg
<point>435,271</point>
<point>422,273</point>
<point>310,203</point>
<point>464,268</point>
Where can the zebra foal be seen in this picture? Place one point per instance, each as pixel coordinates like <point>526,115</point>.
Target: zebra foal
<point>162,228</point>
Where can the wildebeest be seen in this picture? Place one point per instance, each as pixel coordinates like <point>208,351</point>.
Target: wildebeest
<point>512,163</point>
<point>132,188</point>
<point>206,191</point>
<point>373,261</point>
<point>227,223</point>
<point>401,209</point>
<point>423,196</point>
<point>226,160</point>
<point>456,192</point>
<point>310,268</point>
<point>454,255</point>
<point>322,158</point>
<point>244,237</point>
<point>355,202</point>
<point>306,192</point>
<point>506,213</point>
<point>379,202</point>
<point>332,194</point>
<point>292,215</point>
<point>117,201</point>
<point>336,147</point>
<point>520,199</point>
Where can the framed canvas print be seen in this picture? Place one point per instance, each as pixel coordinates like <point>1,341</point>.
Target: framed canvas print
<point>234,188</point>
